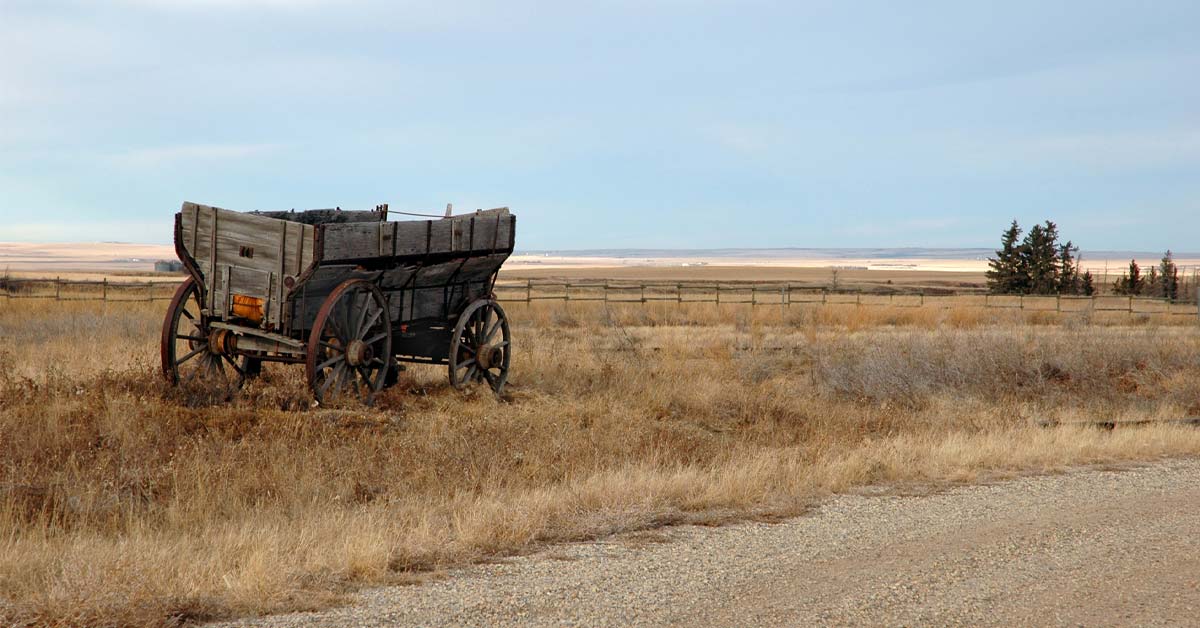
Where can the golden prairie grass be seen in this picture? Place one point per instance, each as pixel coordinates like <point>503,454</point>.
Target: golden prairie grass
<point>122,503</point>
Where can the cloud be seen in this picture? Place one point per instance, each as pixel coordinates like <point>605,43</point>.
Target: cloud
<point>87,230</point>
<point>187,153</point>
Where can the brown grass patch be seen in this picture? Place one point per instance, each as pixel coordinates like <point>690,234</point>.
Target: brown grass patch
<point>121,505</point>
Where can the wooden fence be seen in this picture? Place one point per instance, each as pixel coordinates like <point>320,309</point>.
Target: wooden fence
<point>754,294</point>
<point>787,295</point>
<point>87,290</point>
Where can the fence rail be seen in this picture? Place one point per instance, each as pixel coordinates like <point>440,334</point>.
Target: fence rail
<point>754,294</point>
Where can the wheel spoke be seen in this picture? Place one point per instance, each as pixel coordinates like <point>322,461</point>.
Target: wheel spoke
<point>471,373</point>
<point>464,364</point>
<point>491,332</point>
<point>371,323</point>
<point>362,316</point>
<point>189,337</point>
<point>195,372</point>
<point>328,380</point>
<point>191,354</point>
<point>234,364</point>
<point>337,330</point>
<point>366,377</point>
<point>330,362</point>
<point>490,378</point>
<point>187,314</point>
<point>376,338</point>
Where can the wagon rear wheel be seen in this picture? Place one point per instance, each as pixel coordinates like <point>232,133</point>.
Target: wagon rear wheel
<point>481,346</point>
<point>190,353</point>
<point>350,347</point>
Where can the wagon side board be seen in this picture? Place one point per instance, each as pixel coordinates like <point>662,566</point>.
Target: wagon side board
<point>483,232</point>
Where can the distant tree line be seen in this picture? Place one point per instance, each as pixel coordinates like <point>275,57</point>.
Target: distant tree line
<point>1162,281</point>
<point>1037,264</point>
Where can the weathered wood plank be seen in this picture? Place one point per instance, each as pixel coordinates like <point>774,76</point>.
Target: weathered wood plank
<point>325,216</point>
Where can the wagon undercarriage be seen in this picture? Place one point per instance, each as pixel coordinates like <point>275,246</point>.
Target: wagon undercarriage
<point>348,294</point>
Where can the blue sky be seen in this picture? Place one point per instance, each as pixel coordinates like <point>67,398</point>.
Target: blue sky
<point>619,123</point>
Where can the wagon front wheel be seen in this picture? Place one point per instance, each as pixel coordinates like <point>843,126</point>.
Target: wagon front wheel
<point>481,346</point>
<point>191,353</point>
<point>350,346</point>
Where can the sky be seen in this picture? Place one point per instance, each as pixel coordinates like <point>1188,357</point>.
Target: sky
<point>611,124</point>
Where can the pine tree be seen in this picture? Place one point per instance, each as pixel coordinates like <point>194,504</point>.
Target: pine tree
<point>1088,286</point>
<point>1040,258</point>
<point>1004,275</point>
<point>1068,273</point>
<point>1131,281</point>
<point>1169,277</point>
<point>1152,287</point>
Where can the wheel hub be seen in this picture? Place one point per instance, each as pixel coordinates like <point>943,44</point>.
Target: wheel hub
<point>359,353</point>
<point>221,342</point>
<point>489,356</point>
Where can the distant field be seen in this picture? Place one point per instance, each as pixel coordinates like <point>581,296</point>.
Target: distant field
<point>115,261</point>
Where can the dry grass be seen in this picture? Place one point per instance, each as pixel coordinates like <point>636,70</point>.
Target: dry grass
<point>124,504</point>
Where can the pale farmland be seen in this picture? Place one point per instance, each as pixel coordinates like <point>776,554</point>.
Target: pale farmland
<point>124,503</point>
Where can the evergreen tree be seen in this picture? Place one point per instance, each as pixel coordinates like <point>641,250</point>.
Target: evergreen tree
<point>1168,277</point>
<point>1004,275</point>
<point>1068,272</point>
<point>1131,281</point>
<point>1087,285</point>
<point>1151,287</point>
<point>1039,253</point>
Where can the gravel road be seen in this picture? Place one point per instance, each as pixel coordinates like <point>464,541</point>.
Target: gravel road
<point>1085,548</point>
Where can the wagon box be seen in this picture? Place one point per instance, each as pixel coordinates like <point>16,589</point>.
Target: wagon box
<point>348,293</point>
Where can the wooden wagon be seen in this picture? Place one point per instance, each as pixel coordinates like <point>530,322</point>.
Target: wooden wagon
<point>346,293</point>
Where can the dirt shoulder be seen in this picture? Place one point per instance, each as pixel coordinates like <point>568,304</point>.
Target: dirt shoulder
<point>1086,548</point>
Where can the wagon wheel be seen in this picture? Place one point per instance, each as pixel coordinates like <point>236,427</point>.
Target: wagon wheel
<point>481,346</point>
<point>350,344</point>
<point>190,351</point>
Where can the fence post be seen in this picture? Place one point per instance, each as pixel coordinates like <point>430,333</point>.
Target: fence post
<point>823,293</point>
<point>104,290</point>
<point>1057,303</point>
<point>57,288</point>
<point>1131,305</point>
<point>922,299</point>
<point>643,289</point>
<point>679,292</point>
<point>858,298</point>
<point>718,295</point>
<point>528,291</point>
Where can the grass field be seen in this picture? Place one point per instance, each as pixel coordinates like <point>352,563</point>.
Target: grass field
<point>122,503</point>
